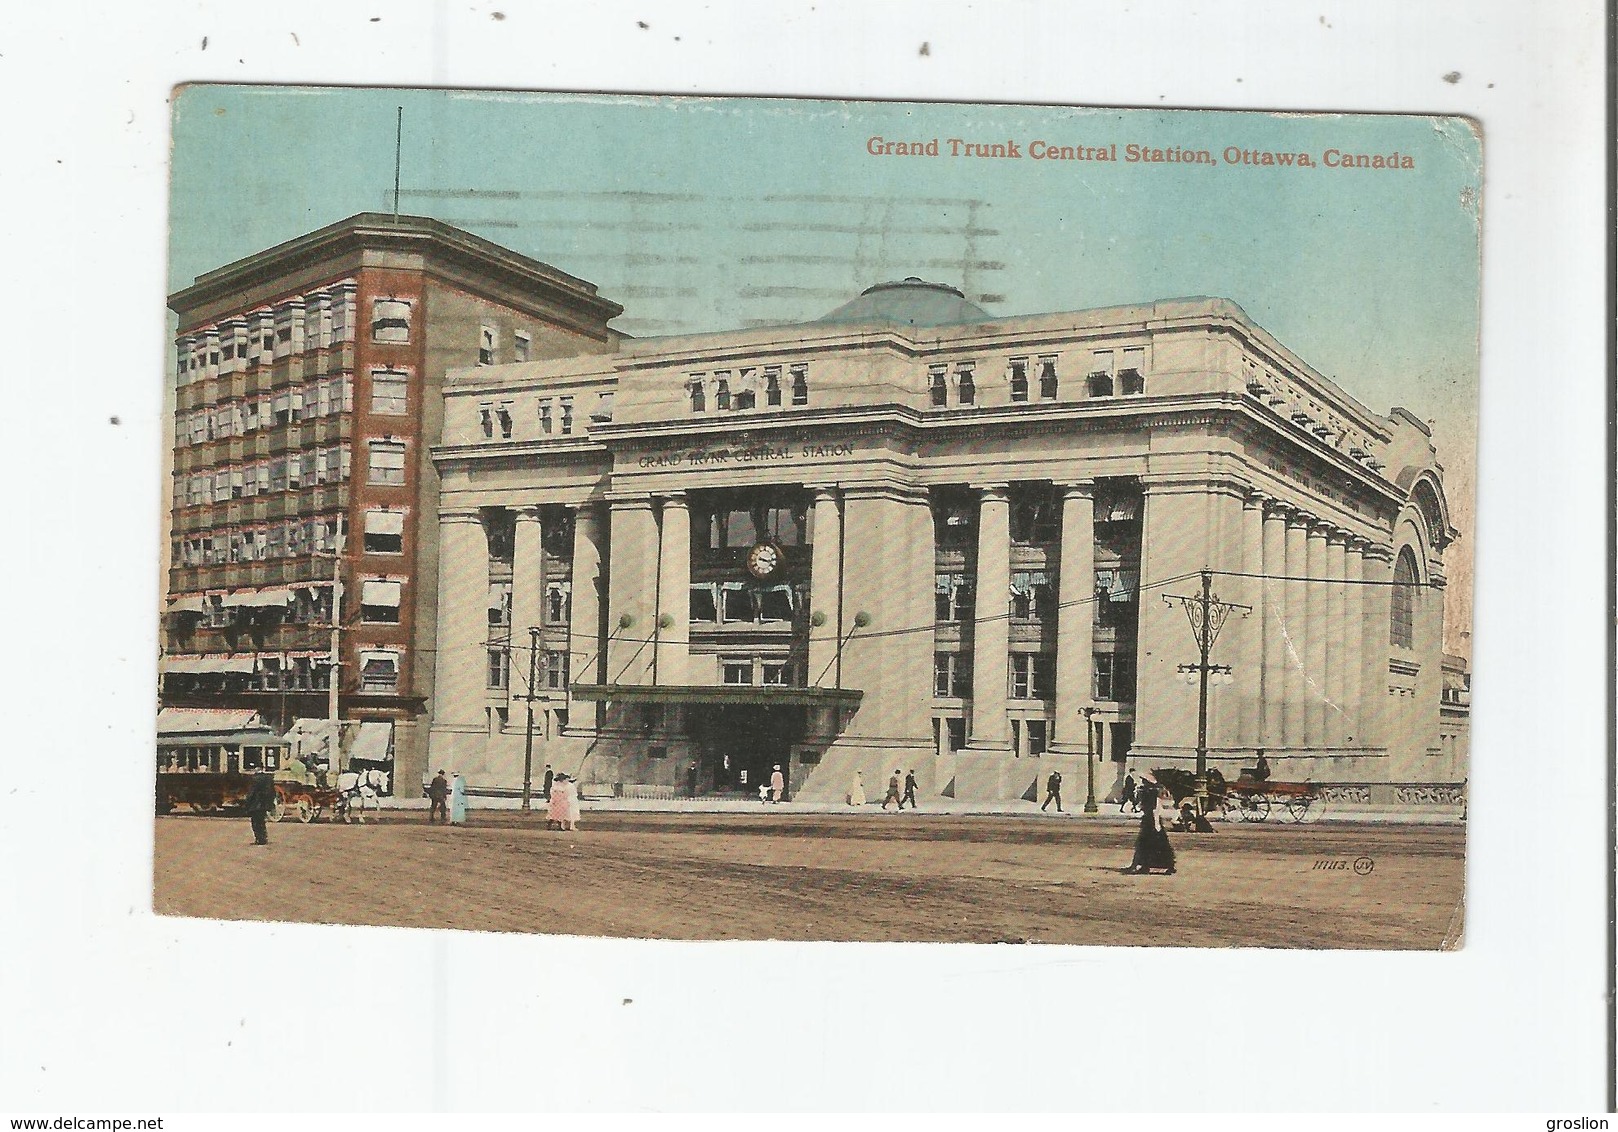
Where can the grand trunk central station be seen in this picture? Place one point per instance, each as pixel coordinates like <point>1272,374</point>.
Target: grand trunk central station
<point>913,535</point>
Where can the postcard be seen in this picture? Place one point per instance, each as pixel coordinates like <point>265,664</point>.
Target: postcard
<point>728,518</point>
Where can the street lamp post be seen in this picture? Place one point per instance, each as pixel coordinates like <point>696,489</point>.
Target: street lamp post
<point>1090,806</point>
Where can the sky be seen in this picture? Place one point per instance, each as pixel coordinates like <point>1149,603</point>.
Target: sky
<point>711,214</point>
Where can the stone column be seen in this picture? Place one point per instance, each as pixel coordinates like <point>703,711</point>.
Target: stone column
<point>1337,652</point>
<point>1295,633</point>
<point>586,649</point>
<point>1272,600</point>
<point>825,588</point>
<point>1249,658</point>
<point>991,623</point>
<point>1378,614</point>
<point>527,593</point>
<point>463,631</point>
<point>674,592</point>
<point>1316,627</point>
<point>1075,617</point>
<point>631,590</point>
<point>1354,644</point>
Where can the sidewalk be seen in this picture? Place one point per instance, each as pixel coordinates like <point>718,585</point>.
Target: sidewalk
<point>939,807</point>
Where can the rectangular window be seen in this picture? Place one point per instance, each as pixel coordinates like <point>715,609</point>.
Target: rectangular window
<point>1100,380</point>
<point>952,674</point>
<point>957,733</point>
<point>737,671</point>
<point>1018,377</point>
<point>389,393</point>
<point>544,416</point>
<point>800,384</point>
<point>746,389</point>
<point>735,603</point>
<point>500,606</point>
<point>937,386</point>
<point>772,385</point>
<point>519,346</point>
<point>390,320</point>
<point>387,462</point>
<point>1114,677</point>
<point>966,388</point>
<point>486,346</point>
<point>1034,734</point>
<point>952,598</point>
<point>499,671</point>
<point>379,671</point>
<point>502,419</point>
<point>699,394</point>
<point>1132,372</point>
<point>1033,598</point>
<point>1033,676</point>
<point>567,415</point>
<point>384,532</point>
<point>558,602</point>
<point>554,665</point>
<point>721,393</point>
<point>379,601</point>
<point>779,674</point>
<point>704,603</point>
<point>1047,378</point>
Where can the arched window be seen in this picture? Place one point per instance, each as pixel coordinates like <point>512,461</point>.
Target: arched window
<point>1402,628</point>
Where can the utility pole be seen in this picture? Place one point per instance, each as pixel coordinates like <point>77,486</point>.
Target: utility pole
<point>334,679</point>
<point>1207,615</point>
<point>1090,806</point>
<point>528,739</point>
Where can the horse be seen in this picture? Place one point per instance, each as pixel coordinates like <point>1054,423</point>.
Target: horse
<point>358,791</point>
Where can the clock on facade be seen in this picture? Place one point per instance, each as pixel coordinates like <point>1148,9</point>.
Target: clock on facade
<point>764,560</point>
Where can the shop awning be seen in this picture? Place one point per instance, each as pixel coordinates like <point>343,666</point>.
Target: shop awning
<point>384,522</point>
<point>374,743</point>
<point>187,603</point>
<point>752,694</point>
<point>378,591</point>
<point>190,721</point>
<point>272,598</point>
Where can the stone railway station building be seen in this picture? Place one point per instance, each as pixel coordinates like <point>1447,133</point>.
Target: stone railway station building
<point>907,534</point>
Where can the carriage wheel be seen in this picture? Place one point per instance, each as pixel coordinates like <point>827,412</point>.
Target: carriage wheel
<point>1306,809</point>
<point>206,809</point>
<point>278,809</point>
<point>305,811</point>
<point>1255,807</point>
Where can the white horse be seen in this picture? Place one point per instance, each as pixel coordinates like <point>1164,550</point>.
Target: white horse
<point>358,791</point>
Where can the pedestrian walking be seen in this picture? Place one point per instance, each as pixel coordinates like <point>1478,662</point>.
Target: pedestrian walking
<point>910,790</point>
<point>893,792</point>
<point>691,781</point>
<point>1053,792</point>
<point>1152,848</point>
<point>1128,796</point>
<point>778,785</point>
<point>438,798</point>
<point>259,804</point>
<point>856,789</point>
<point>457,800</point>
<point>1262,770</point>
<point>563,812</point>
<point>550,780</point>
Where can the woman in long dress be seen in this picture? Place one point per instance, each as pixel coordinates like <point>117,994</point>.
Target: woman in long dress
<point>457,801</point>
<point>570,804</point>
<point>1152,848</point>
<point>856,789</point>
<point>556,812</point>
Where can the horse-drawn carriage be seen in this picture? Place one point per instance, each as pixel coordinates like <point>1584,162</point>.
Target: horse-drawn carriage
<point>1248,798</point>
<point>223,792</point>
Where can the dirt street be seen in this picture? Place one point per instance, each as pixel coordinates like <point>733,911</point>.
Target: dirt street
<point>918,877</point>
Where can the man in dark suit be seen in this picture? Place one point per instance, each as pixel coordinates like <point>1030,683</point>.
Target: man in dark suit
<point>260,803</point>
<point>1053,792</point>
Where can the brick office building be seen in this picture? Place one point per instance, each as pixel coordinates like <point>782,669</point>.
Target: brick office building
<point>308,391</point>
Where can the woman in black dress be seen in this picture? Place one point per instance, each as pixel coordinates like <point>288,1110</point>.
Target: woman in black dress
<point>1152,848</point>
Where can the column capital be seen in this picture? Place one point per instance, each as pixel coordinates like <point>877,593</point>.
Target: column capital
<point>452,515</point>
<point>1298,517</point>
<point>1378,552</point>
<point>821,490</point>
<point>674,499</point>
<point>995,492</point>
<point>1078,489</point>
<point>529,512</point>
<point>1277,509</point>
<point>1257,500</point>
<point>1339,536</point>
<point>629,500</point>
<point>1319,528</point>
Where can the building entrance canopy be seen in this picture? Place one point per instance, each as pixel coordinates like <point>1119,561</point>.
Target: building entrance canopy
<point>720,694</point>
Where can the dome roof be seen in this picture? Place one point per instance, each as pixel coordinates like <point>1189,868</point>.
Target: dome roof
<point>909,302</point>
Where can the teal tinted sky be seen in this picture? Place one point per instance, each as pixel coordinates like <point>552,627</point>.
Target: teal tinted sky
<point>711,214</point>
